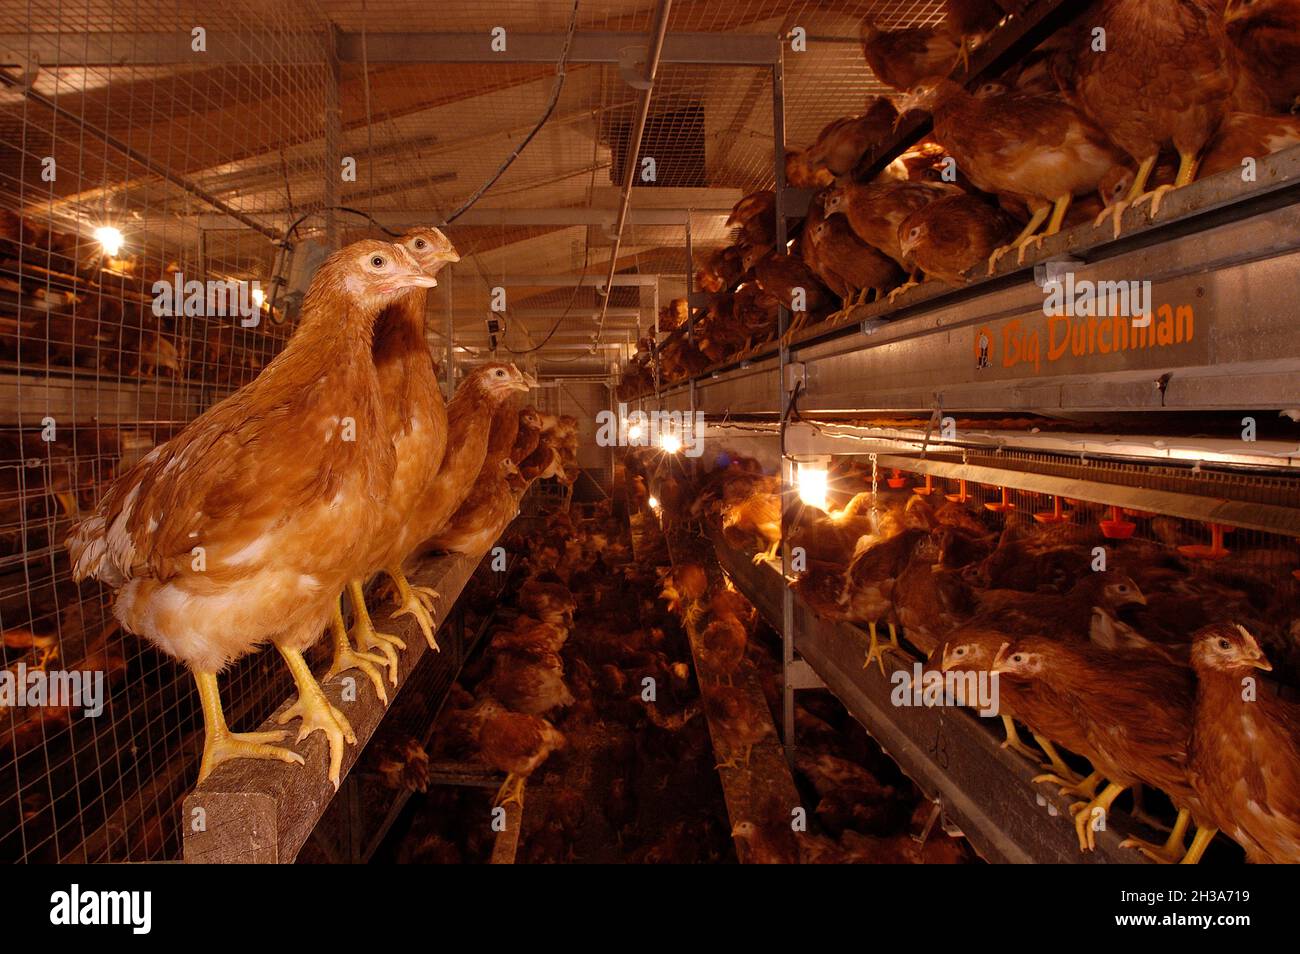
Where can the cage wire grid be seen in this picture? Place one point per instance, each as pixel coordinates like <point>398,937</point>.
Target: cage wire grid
<point>139,144</point>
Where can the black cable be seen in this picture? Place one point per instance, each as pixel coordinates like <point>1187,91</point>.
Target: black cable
<point>550,108</point>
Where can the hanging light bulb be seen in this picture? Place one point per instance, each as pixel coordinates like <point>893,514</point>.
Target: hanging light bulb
<point>110,239</point>
<point>634,432</point>
<point>813,485</point>
<point>671,443</point>
<point>654,503</point>
<point>259,297</point>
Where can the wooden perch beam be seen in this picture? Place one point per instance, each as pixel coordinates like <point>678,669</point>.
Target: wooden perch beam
<point>261,812</point>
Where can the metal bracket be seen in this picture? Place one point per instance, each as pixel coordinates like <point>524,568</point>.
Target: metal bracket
<point>800,675</point>
<point>796,377</point>
<point>631,65</point>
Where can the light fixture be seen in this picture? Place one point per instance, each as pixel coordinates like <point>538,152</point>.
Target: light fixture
<point>654,503</point>
<point>813,485</point>
<point>671,443</point>
<point>259,297</point>
<point>634,432</point>
<point>110,238</point>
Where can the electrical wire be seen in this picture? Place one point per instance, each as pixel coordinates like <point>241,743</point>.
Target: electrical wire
<point>550,108</point>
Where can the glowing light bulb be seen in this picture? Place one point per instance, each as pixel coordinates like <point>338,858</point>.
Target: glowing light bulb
<point>259,297</point>
<point>813,486</point>
<point>110,238</point>
<point>654,503</point>
<point>634,432</point>
<point>671,443</point>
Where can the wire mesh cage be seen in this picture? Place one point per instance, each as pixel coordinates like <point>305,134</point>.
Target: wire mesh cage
<point>133,165</point>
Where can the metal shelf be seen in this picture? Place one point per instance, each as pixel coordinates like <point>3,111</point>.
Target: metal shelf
<point>1221,260</point>
<point>950,755</point>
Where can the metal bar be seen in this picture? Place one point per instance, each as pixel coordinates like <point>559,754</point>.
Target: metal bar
<point>181,182</point>
<point>333,139</point>
<point>1006,46</point>
<point>786,489</point>
<point>576,216</point>
<point>657,33</point>
<point>154,49</point>
<point>588,47</point>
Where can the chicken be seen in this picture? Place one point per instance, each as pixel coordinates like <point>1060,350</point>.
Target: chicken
<point>1245,749</point>
<point>722,270</point>
<point>415,417</point>
<point>1046,613</point>
<point>1035,149</point>
<point>1166,78</point>
<point>876,211</point>
<point>683,587</point>
<point>847,265</point>
<point>469,420</point>
<point>869,585</point>
<point>903,58</point>
<point>1245,135</point>
<point>722,647</point>
<point>789,280</point>
<point>244,527</point>
<point>1133,711</point>
<point>401,764</point>
<point>1267,35</point>
<point>550,602</point>
<point>529,636</point>
<point>491,503</point>
<point>735,717</point>
<point>758,515</point>
<point>532,684</point>
<point>950,236</point>
<point>516,744</point>
<point>800,173</point>
<point>846,140</point>
<point>971,20</point>
<point>753,219</point>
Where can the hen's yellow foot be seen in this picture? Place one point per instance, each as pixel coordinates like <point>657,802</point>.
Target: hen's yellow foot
<point>876,652</point>
<point>1174,848</point>
<point>1155,197</point>
<point>222,745</point>
<point>511,791</point>
<point>1014,743</point>
<point>1090,816</point>
<point>367,637</point>
<point>905,287</point>
<point>412,601</point>
<point>316,713</point>
<point>243,745</point>
<point>345,657</point>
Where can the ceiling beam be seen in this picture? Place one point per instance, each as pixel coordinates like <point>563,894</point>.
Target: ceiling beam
<point>244,48</point>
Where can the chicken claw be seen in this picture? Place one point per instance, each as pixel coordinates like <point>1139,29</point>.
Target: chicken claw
<point>1090,816</point>
<point>1155,197</point>
<point>877,652</point>
<point>367,637</point>
<point>222,745</point>
<point>345,657</point>
<point>316,713</point>
<point>1174,848</point>
<point>511,791</point>
<point>413,601</point>
<point>1014,743</point>
<point>1071,784</point>
<point>905,287</point>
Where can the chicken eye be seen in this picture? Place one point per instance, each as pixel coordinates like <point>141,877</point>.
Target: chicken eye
<point>421,243</point>
<point>1017,658</point>
<point>960,651</point>
<point>378,261</point>
<point>1224,644</point>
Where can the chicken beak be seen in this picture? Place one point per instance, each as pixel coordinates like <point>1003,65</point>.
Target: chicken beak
<point>420,280</point>
<point>1261,663</point>
<point>999,661</point>
<point>449,256</point>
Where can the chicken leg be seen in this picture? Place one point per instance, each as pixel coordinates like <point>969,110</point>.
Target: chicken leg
<point>412,600</point>
<point>1173,850</point>
<point>1025,236</point>
<point>511,791</point>
<point>345,657</point>
<point>733,763</point>
<point>1140,180</point>
<point>1013,741</point>
<point>1083,787</point>
<point>1188,163</point>
<point>316,713</point>
<point>1087,814</point>
<point>222,745</point>
<point>877,652</point>
<point>365,635</point>
<point>1055,763</point>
